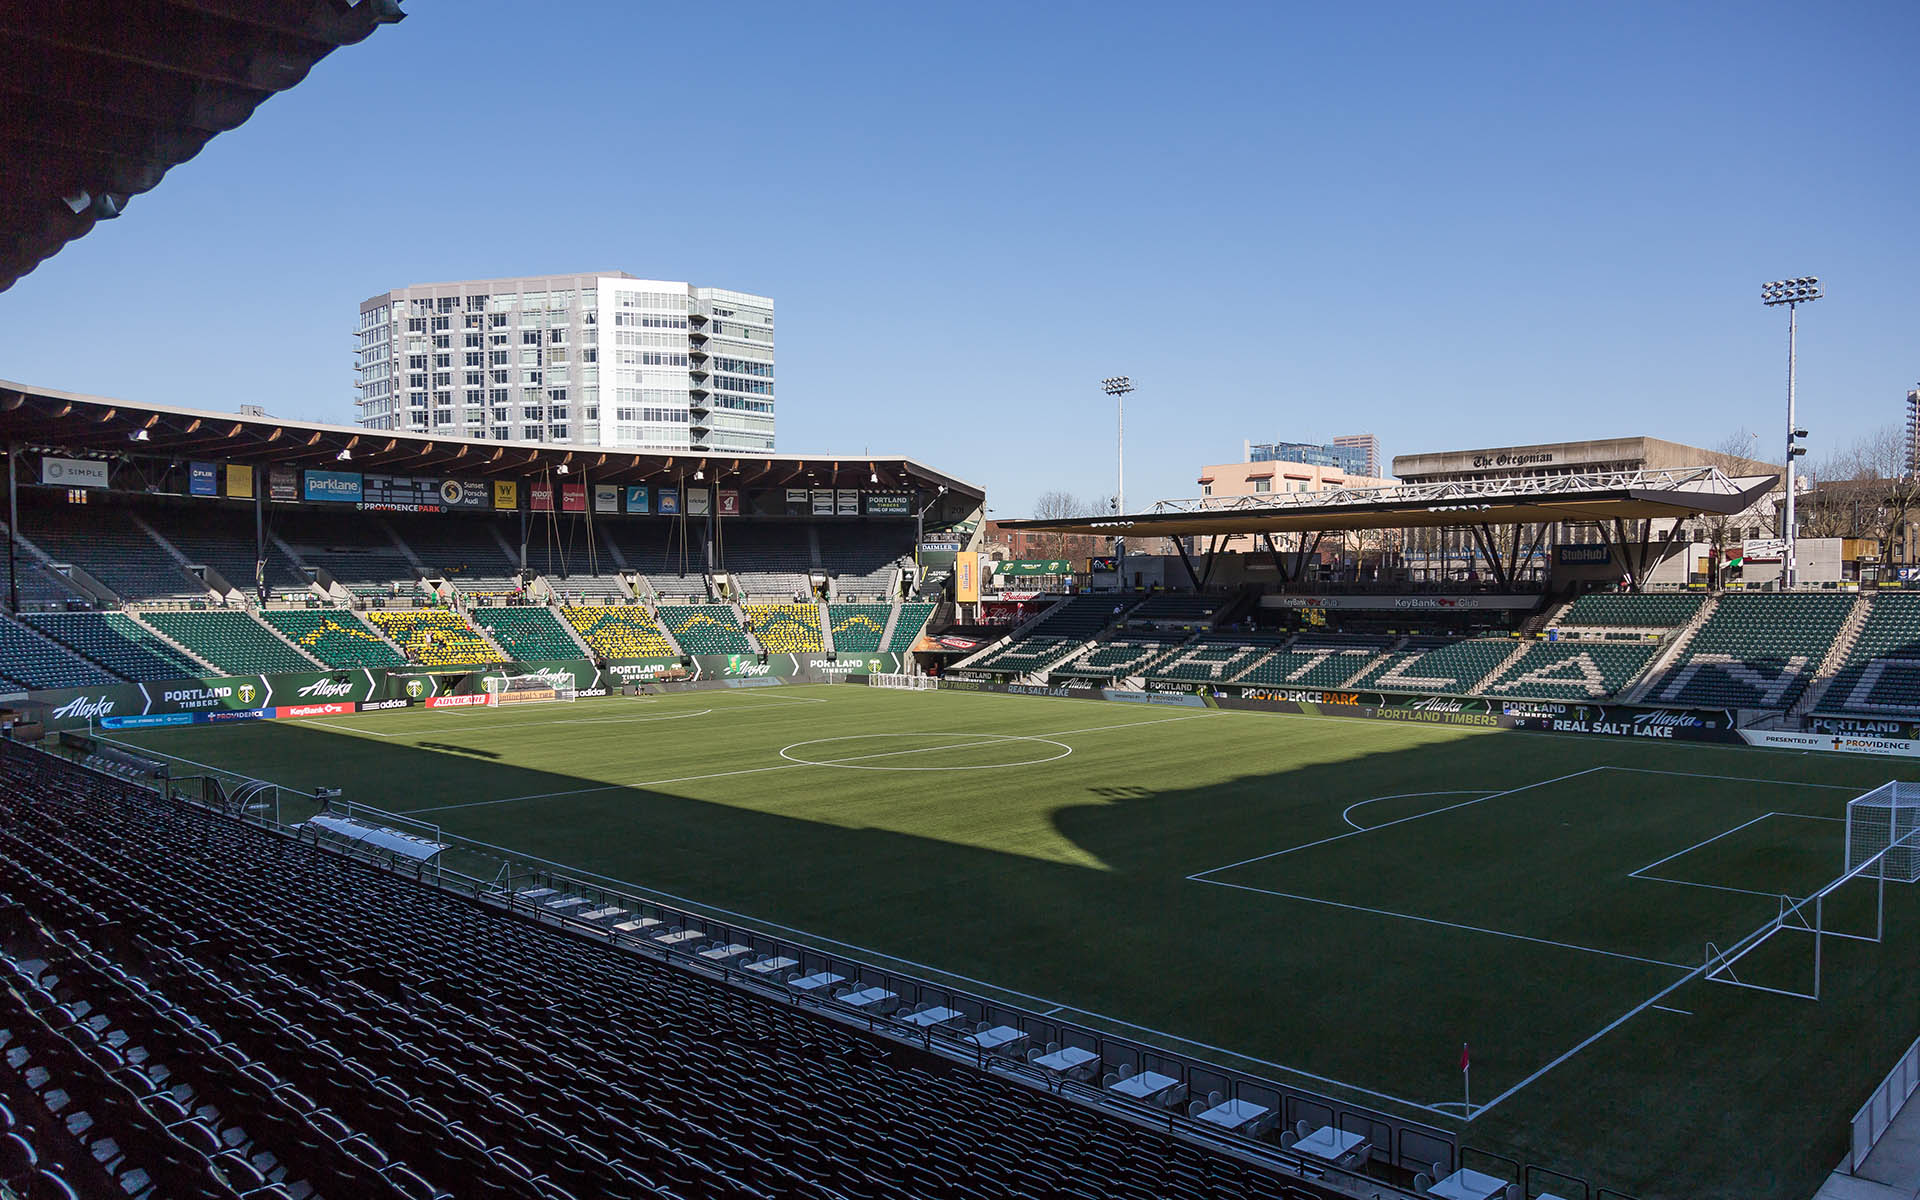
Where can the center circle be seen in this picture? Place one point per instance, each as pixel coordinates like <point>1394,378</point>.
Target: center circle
<point>878,757</point>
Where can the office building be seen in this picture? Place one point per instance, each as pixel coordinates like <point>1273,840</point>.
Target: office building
<point>1355,454</point>
<point>600,359</point>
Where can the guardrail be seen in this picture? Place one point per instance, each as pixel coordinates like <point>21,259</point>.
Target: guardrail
<point>1883,1105</point>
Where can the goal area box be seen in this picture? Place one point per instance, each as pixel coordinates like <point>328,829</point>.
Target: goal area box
<point>503,690</point>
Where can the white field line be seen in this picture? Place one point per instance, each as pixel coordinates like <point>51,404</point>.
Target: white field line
<point>1702,842</point>
<point>1345,813</point>
<point>992,738</point>
<point>1200,876</point>
<point>1500,933</point>
<point>435,724</point>
<point>1663,1008</point>
<point>1838,787</point>
<point>407,733</point>
<point>1641,873</point>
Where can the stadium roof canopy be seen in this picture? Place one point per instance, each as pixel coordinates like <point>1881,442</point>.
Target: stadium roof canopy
<point>1607,496</point>
<point>104,97</point>
<point>64,423</point>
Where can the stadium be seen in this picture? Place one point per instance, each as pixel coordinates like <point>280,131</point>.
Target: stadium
<point>395,814</point>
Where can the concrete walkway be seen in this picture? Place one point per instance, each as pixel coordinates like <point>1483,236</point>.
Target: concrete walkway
<point>1891,1172</point>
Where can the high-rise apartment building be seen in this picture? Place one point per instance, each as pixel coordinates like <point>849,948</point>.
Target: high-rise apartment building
<point>601,359</point>
<point>1356,454</point>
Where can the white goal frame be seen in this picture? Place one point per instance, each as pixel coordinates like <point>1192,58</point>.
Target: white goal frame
<point>1881,825</point>
<point>908,683</point>
<point>526,689</point>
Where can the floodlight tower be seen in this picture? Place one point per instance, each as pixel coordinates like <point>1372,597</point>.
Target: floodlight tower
<point>1792,293</point>
<point>1118,387</point>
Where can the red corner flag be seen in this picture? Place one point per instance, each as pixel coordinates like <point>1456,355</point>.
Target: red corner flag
<point>1465,1062</point>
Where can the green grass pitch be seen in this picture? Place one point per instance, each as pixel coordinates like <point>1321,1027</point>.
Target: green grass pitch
<point>1332,901</point>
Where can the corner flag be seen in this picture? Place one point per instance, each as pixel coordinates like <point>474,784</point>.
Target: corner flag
<point>1466,1079</point>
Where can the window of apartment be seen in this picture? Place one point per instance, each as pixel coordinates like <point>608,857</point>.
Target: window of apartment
<point>557,335</point>
<point>1263,485</point>
<point>475,378</point>
<point>530,433</point>
<point>476,304</point>
<point>474,358</point>
<point>529,378</point>
<point>443,397</point>
<point>416,362</point>
<point>500,376</point>
<point>418,380</point>
<point>557,395</point>
<point>416,325</point>
<point>443,360</point>
<point>502,433</point>
<point>443,417</point>
<point>443,341</point>
<point>442,324</point>
<point>497,358</point>
<point>529,337</point>
<point>589,355</point>
<point>471,341</point>
<point>447,304</point>
<point>500,414</point>
<point>496,320</point>
<point>529,358</point>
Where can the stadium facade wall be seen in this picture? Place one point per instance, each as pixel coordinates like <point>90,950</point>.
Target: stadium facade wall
<point>219,699</point>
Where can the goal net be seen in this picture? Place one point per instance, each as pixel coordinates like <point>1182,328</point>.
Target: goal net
<point>909,683</point>
<point>1884,824</point>
<point>527,689</point>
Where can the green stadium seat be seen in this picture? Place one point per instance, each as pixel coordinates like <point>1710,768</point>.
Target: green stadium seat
<point>1591,670</point>
<point>527,632</point>
<point>1881,676</point>
<point>786,628</point>
<point>1652,610</point>
<point>1452,668</point>
<point>32,662</point>
<point>911,623</point>
<point>619,631</point>
<point>116,643</point>
<point>231,641</point>
<point>705,628</point>
<point>1121,657</point>
<point>858,628</point>
<point>334,636</point>
<point>438,637</point>
<point>1757,650</point>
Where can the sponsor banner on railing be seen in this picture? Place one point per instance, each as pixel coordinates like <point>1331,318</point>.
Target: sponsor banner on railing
<point>1831,743</point>
<point>1867,727</point>
<point>339,708</point>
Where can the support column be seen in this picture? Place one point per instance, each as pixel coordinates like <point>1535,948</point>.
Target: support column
<point>13,528</point>
<point>259,535</point>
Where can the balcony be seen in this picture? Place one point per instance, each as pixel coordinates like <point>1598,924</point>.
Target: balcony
<point>697,351</point>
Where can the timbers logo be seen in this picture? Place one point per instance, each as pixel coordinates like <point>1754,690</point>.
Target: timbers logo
<point>245,694</point>
<point>415,689</point>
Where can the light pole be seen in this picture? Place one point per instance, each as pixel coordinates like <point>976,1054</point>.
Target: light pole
<point>1118,387</point>
<point>1792,293</point>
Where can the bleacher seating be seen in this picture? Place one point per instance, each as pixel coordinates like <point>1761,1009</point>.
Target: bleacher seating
<point>864,557</point>
<point>1449,666</point>
<point>1121,657</point>
<point>435,636</point>
<point>1311,665</point>
<point>705,628</point>
<point>32,662</point>
<point>225,1012</point>
<point>1071,621</point>
<point>465,551</point>
<point>1881,676</point>
<point>619,631</point>
<point>1217,657</point>
<point>527,632</point>
<point>221,536</point>
<point>353,549</point>
<point>40,586</point>
<point>655,549</point>
<point>103,541</point>
<point>1634,610</point>
<point>859,628</point>
<point>231,641</point>
<point>116,643</point>
<point>785,628</point>
<point>1756,651</point>
<point>909,625</point>
<point>1573,671</point>
<point>766,560</point>
<point>334,636</point>
<point>1183,607</point>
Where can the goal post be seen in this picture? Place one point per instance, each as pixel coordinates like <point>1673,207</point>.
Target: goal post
<point>909,683</point>
<point>1883,832</point>
<point>505,690</point>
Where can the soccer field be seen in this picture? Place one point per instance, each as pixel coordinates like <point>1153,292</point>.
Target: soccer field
<point>1335,903</point>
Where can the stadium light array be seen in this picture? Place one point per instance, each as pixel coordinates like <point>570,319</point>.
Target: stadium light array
<point>1792,293</point>
<point>1119,386</point>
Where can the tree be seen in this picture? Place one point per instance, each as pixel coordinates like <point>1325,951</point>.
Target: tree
<point>1869,490</point>
<point>1733,455</point>
<point>1057,505</point>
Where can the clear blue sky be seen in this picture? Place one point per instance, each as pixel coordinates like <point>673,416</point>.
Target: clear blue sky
<point>1450,225</point>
